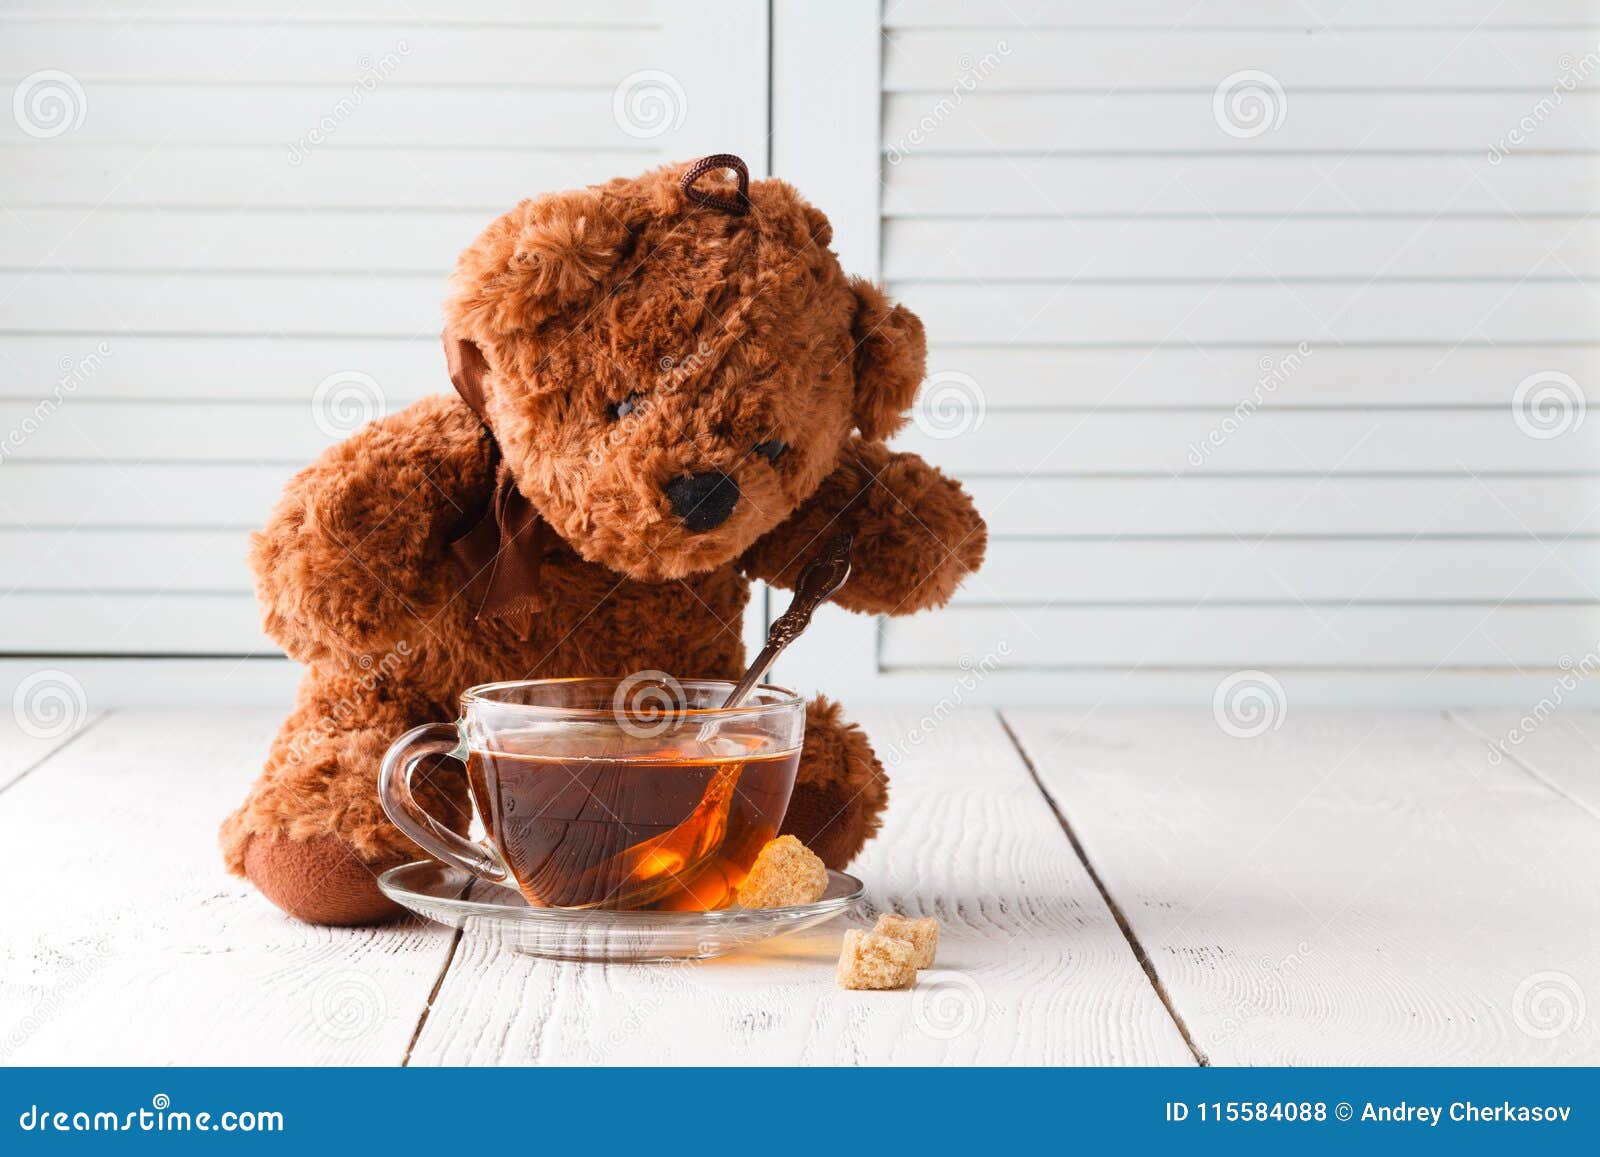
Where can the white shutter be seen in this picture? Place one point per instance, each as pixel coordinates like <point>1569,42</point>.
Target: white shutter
<point>1261,332</point>
<point>226,237</point>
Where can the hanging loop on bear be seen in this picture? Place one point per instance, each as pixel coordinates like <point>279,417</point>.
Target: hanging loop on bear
<point>739,203</point>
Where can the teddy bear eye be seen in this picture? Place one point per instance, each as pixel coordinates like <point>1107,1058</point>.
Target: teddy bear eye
<point>623,408</point>
<point>771,450</point>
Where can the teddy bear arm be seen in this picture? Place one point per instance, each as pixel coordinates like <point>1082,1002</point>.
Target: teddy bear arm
<point>357,549</point>
<point>917,533</point>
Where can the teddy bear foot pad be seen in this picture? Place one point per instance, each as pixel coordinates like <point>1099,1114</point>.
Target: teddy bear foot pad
<point>452,897</point>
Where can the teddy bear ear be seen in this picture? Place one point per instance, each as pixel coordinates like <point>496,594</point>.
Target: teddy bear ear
<point>546,255</point>
<point>890,360</point>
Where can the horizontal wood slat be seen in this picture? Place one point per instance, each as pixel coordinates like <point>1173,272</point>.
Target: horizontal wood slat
<point>390,115</point>
<point>1267,376</point>
<point>925,184</point>
<point>399,50</point>
<point>1306,15</point>
<point>65,171</point>
<point>1021,573</point>
<point>183,623</point>
<point>1506,638</point>
<point>1281,441</point>
<point>1204,313</point>
<point>1000,251</point>
<point>138,559</point>
<point>383,305</point>
<point>602,12</point>
<point>279,240</point>
<point>1132,122</point>
<point>142,496</point>
<point>1044,59</point>
<point>264,367</point>
<point>1200,505</point>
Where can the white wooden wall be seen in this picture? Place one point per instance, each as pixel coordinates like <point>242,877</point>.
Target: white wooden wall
<point>205,293</point>
<point>1111,218</point>
<point>1258,341</point>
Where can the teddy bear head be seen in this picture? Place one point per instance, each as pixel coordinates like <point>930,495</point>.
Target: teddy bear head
<point>672,363</point>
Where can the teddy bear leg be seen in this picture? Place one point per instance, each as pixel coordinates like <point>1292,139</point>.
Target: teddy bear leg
<point>840,790</point>
<point>312,836</point>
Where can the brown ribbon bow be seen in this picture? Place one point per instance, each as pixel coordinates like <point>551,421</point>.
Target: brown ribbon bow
<point>503,550</point>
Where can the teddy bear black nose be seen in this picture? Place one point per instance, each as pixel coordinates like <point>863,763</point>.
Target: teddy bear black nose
<point>703,501</point>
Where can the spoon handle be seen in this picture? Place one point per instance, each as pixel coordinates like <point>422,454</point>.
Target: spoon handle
<point>823,575</point>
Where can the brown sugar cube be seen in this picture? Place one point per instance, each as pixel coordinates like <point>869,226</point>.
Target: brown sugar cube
<point>868,960</point>
<point>922,935</point>
<point>784,874</point>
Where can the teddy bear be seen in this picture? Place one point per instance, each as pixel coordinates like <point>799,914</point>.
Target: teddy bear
<point>666,389</point>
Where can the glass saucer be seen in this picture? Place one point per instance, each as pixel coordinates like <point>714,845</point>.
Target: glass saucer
<point>453,897</point>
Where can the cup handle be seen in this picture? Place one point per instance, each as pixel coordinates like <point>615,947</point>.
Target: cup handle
<point>433,837</point>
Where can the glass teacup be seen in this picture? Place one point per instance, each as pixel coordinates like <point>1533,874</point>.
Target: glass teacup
<point>609,793</point>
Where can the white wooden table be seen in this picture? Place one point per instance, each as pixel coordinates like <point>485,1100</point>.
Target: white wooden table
<point>1115,888</point>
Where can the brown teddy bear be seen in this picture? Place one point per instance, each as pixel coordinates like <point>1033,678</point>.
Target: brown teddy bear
<point>667,388</point>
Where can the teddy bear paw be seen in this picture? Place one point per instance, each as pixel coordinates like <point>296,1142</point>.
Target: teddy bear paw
<point>319,880</point>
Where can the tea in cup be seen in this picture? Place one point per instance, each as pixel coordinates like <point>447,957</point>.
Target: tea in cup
<point>610,794</point>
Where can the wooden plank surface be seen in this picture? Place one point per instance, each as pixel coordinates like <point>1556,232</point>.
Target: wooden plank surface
<point>1353,888</point>
<point>1033,969</point>
<point>146,952</point>
<point>49,709</point>
<point>1356,889</point>
<point>1549,738</point>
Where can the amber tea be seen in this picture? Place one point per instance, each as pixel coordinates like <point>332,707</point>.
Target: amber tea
<point>609,820</point>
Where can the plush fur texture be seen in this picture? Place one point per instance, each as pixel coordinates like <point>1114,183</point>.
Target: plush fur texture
<point>714,333</point>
